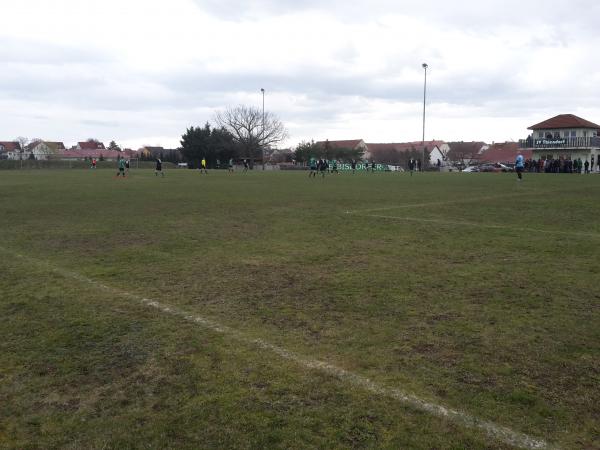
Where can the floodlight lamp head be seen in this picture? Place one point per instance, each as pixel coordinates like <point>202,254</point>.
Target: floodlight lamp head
<point>425,65</point>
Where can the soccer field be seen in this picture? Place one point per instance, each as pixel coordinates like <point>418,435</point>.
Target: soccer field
<point>269,310</point>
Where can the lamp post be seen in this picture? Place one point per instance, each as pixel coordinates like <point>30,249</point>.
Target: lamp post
<point>263,112</point>
<point>425,66</point>
<point>263,125</point>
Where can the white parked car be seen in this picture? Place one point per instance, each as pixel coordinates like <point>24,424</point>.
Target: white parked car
<point>396,168</point>
<point>471,169</point>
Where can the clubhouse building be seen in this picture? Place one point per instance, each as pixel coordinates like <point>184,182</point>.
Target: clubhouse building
<point>565,136</point>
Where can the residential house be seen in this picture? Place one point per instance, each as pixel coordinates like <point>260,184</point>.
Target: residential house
<point>84,150</point>
<point>400,153</point>
<point>82,155</point>
<point>443,147</point>
<point>95,150</point>
<point>89,146</point>
<point>564,136</point>
<point>10,150</point>
<point>505,153</point>
<point>45,149</point>
<point>436,157</point>
<point>465,153</point>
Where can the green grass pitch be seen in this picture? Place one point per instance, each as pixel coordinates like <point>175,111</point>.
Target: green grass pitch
<point>470,291</point>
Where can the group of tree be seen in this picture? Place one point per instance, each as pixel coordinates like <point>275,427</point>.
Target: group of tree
<point>113,146</point>
<point>307,150</point>
<point>212,144</point>
<point>241,132</point>
<point>173,156</point>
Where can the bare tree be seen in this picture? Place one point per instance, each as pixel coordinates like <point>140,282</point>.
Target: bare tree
<point>23,141</point>
<point>252,132</point>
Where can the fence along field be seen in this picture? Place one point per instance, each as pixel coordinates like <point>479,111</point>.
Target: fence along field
<point>485,321</point>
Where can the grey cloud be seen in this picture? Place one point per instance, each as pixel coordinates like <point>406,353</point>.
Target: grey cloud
<point>470,13</point>
<point>82,87</point>
<point>27,51</point>
<point>323,85</point>
<point>236,10</point>
<point>302,82</point>
<point>37,83</point>
<point>100,123</point>
<point>88,81</point>
<point>327,92</point>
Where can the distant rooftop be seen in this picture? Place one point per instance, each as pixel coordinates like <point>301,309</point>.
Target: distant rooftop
<point>341,144</point>
<point>565,121</point>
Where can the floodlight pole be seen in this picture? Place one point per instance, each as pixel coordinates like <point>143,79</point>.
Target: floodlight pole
<point>425,66</point>
<point>263,121</point>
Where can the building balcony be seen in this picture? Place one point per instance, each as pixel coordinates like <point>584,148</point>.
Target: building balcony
<point>562,143</point>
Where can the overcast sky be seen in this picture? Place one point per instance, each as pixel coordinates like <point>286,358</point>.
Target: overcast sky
<point>141,71</point>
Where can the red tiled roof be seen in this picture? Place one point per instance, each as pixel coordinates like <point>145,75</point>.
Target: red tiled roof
<point>565,121</point>
<point>74,154</point>
<point>504,153</point>
<point>403,146</point>
<point>10,146</point>
<point>91,145</point>
<point>341,144</point>
<point>81,154</point>
<point>430,144</point>
<point>464,150</point>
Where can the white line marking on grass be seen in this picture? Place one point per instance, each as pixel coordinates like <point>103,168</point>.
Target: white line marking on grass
<point>438,203</point>
<point>498,432</point>
<point>461,200</point>
<point>485,225</point>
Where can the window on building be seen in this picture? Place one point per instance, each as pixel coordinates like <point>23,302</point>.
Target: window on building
<point>548,135</point>
<point>541,135</point>
<point>566,133</point>
<point>573,133</point>
<point>557,134</point>
<point>585,134</point>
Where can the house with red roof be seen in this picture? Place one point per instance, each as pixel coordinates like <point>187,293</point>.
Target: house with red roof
<point>399,153</point>
<point>352,144</point>
<point>564,136</point>
<point>504,153</point>
<point>466,153</point>
<point>10,150</point>
<point>90,145</point>
<point>95,150</point>
<point>82,155</point>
